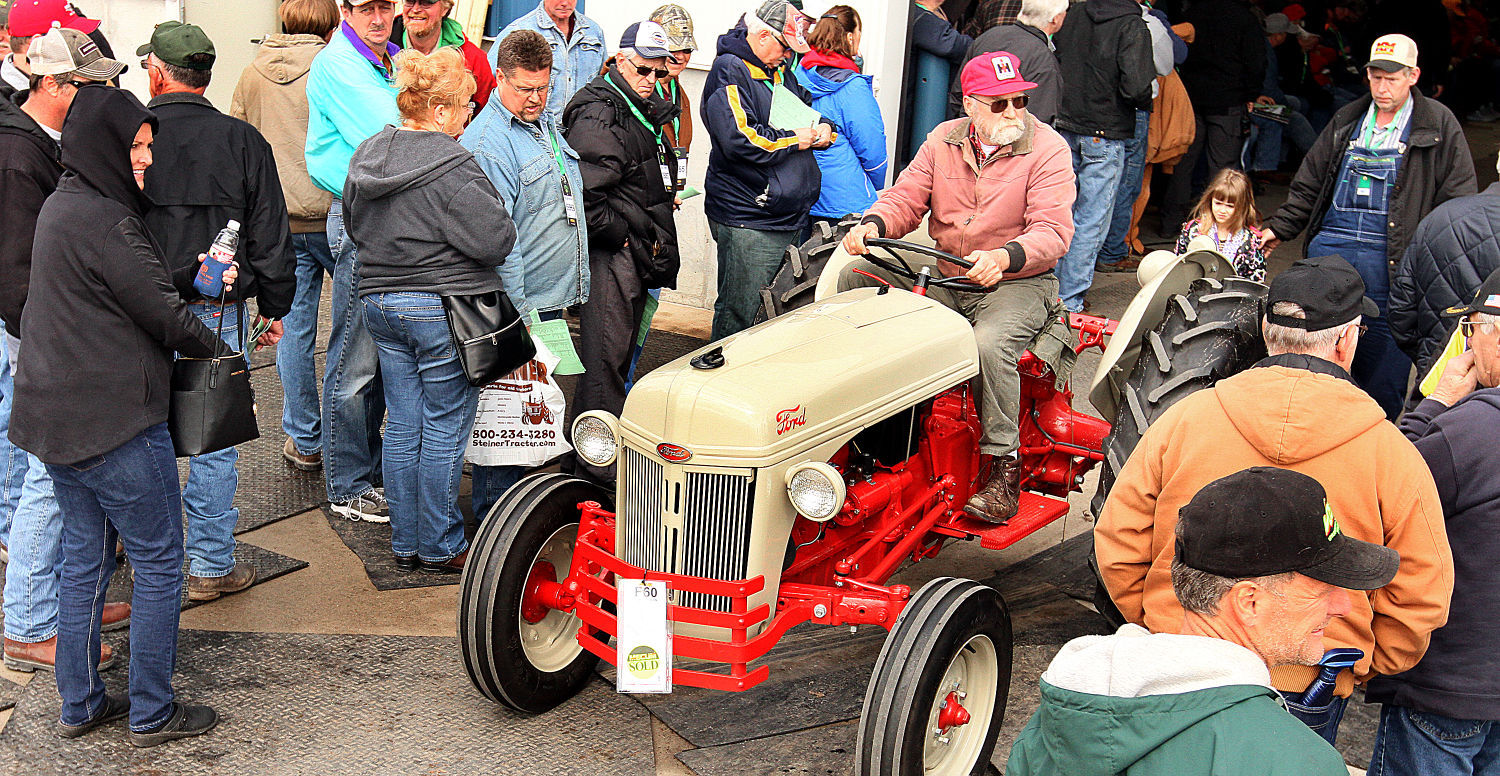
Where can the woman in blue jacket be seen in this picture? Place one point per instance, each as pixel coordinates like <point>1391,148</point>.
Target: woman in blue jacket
<point>854,166</point>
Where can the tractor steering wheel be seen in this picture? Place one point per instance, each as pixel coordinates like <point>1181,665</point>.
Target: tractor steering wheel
<point>901,268</point>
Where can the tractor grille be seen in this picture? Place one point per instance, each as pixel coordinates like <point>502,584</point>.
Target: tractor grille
<point>715,518</point>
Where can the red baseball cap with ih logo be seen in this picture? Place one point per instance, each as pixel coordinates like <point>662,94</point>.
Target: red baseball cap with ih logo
<point>35,17</point>
<point>994,75</point>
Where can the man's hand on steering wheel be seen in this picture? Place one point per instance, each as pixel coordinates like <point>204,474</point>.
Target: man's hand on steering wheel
<point>988,266</point>
<point>854,240</point>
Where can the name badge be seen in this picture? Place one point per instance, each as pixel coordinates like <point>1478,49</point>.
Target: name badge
<point>666,177</point>
<point>643,657</point>
<point>1363,185</point>
<point>682,166</point>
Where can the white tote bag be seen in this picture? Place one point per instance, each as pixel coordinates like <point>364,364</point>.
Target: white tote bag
<point>520,418</point>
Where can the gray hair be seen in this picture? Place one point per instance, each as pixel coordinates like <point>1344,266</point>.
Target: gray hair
<point>1485,318</point>
<point>753,25</point>
<point>626,52</point>
<point>1200,592</point>
<point>1286,339</point>
<point>1040,13</point>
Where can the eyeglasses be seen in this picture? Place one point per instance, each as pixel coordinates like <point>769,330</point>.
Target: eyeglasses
<point>999,104</point>
<point>530,91</point>
<point>642,70</point>
<point>1483,327</point>
<point>472,106</point>
<point>423,3</point>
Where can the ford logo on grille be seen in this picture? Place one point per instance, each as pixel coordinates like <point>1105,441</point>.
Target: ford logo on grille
<point>673,453</point>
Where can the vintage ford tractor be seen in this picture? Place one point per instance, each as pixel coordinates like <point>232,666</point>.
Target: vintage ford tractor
<point>780,477</point>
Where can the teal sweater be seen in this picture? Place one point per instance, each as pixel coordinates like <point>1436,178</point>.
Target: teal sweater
<point>349,99</point>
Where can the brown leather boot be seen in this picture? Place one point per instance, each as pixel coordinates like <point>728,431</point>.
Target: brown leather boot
<point>999,499</point>
<point>116,617</point>
<point>28,657</point>
<point>209,588</point>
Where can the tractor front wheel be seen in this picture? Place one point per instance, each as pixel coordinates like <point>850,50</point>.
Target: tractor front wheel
<point>937,697</point>
<point>518,650</point>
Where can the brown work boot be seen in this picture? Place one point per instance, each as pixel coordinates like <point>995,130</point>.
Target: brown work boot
<point>999,499</point>
<point>209,588</point>
<point>28,657</point>
<point>116,617</point>
<point>308,462</point>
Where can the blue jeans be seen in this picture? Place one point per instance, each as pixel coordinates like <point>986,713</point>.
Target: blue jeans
<point>12,458</point>
<point>208,496</point>
<point>748,259</point>
<point>301,418</point>
<point>431,407</point>
<point>352,399</point>
<point>33,575</point>
<point>130,493</point>
<point>1423,744</point>
<point>1264,149</point>
<point>1323,720</point>
<point>1113,249</point>
<point>1098,164</point>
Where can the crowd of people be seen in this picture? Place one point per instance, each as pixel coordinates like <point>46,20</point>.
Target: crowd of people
<point>377,145</point>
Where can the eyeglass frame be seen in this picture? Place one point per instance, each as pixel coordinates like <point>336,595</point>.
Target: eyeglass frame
<point>645,70</point>
<point>1469,328</point>
<point>999,104</point>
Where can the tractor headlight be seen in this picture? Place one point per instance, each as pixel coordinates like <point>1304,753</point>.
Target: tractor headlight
<point>816,490</point>
<point>595,438</point>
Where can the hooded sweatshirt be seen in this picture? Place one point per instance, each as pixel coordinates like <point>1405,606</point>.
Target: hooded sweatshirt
<point>854,166</point>
<point>272,96</point>
<point>1141,704</point>
<point>424,216</point>
<point>1304,414</point>
<point>102,319</point>
<point>29,169</point>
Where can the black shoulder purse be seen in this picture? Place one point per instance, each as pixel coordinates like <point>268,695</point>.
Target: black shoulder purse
<point>489,335</point>
<point>213,405</point>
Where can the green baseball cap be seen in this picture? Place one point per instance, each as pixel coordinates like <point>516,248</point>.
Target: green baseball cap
<point>183,45</point>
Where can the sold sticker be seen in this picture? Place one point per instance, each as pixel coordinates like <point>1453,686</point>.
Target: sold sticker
<point>643,655</point>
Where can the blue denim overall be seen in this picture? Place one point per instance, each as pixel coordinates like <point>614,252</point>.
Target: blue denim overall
<point>1355,228</point>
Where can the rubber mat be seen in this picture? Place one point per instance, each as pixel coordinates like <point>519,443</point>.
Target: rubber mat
<point>371,543</point>
<point>334,705</point>
<point>819,674</point>
<point>268,566</point>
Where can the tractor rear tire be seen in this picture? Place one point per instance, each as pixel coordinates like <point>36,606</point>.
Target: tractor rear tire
<point>1209,333</point>
<point>796,282</point>
<point>952,644</point>
<point>528,666</point>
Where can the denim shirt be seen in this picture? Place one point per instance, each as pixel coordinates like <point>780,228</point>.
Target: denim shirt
<point>548,269</point>
<point>575,61</point>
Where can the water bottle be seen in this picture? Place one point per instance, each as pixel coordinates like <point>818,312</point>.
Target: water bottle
<point>210,279</point>
<point>1320,692</point>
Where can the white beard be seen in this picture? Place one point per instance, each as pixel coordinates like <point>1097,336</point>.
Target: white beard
<point>1007,135</point>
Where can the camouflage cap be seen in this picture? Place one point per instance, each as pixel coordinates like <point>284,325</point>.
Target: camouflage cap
<point>679,26</point>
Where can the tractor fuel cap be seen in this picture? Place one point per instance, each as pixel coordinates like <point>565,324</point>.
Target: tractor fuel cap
<point>712,359</point>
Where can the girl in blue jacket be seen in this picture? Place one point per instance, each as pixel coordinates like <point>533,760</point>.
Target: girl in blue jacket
<point>854,166</point>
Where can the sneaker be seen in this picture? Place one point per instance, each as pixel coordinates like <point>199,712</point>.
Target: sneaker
<point>309,462</point>
<point>370,507</point>
<point>209,588</point>
<point>185,721</point>
<point>115,707</point>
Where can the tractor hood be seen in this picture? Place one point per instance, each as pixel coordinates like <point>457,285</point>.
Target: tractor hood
<point>803,379</point>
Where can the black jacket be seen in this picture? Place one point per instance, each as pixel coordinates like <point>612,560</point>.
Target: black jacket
<point>1226,62</point>
<point>1453,250</point>
<point>624,196</point>
<point>29,169</point>
<point>1038,65</point>
<point>933,34</point>
<point>424,216</point>
<point>1437,167</point>
<point>1456,677</point>
<point>210,168</point>
<point>102,320</point>
<point>1105,53</point>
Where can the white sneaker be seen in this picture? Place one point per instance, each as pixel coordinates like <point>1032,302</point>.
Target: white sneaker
<point>370,507</point>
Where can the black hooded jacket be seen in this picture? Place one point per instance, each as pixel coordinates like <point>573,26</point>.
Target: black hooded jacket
<point>29,169</point>
<point>624,196</point>
<point>1104,51</point>
<point>102,319</point>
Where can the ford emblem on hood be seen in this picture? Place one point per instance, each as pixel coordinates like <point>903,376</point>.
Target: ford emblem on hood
<point>673,453</point>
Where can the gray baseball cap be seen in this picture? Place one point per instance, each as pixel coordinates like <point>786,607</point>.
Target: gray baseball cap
<point>64,50</point>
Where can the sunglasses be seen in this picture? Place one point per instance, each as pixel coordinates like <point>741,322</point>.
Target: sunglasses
<point>423,3</point>
<point>1483,327</point>
<point>999,104</point>
<point>642,70</point>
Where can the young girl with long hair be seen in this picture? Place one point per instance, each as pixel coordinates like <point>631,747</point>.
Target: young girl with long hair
<point>1226,214</point>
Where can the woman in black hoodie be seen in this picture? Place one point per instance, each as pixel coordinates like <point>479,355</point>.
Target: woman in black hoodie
<point>428,223</point>
<point>102,321</point>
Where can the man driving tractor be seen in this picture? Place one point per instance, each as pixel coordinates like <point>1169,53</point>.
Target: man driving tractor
<point>997,187</point>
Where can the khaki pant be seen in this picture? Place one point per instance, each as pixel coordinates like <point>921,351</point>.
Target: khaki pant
<point>1006,321</point>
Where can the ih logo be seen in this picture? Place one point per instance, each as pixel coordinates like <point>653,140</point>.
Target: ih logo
<point>1330,523</point>
<point>786,420</point>
<point>1385,47</point>
<point>1004,70</point>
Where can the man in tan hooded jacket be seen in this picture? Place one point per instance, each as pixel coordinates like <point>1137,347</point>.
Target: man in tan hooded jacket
<point>1300,410</point>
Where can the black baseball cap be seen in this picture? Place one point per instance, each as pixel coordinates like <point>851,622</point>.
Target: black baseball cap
<point>1486,299</point>
<point>1264,521</point>
<point>1327,288</point>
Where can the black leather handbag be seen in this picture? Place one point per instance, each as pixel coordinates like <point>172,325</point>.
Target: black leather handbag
<point>489,335</point>
<point>213,405</point>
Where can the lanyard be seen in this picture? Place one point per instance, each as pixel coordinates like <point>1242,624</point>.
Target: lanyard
<point>677,122</point>
<point>661,145</point>
<point>570,208</point>
<point>1369,130</point>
